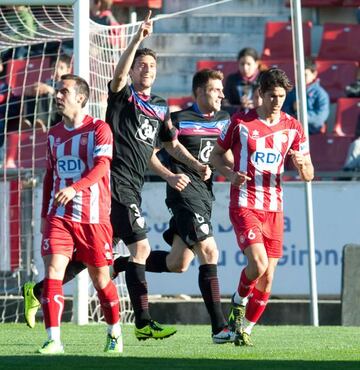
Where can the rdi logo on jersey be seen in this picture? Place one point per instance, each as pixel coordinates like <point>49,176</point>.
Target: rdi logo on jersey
<point>69,167</point>
<point>267,159</point>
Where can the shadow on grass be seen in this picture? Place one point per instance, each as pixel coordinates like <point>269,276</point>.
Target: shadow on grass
<point>137,363</point>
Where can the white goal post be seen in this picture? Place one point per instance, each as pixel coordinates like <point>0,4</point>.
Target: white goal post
<point>104,53</point>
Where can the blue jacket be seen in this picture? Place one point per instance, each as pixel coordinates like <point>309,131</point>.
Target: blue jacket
<point>318,106</point>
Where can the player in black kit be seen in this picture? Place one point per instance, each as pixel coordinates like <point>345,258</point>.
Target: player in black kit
<point>190,231</point>
<point>138,121</point>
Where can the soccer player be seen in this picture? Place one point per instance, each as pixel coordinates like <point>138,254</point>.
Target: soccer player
<point>75,211</point>
<point>138,120</point>
<point>260,140</point>
<point>190,231</point>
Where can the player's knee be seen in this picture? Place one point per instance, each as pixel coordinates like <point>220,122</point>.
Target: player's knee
<point>260,266</point>
<point>179,266</point>
<point>207,252</point>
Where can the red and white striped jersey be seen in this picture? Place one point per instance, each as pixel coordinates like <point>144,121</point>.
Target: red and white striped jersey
<point>260,149</point>
<point>71,155</point>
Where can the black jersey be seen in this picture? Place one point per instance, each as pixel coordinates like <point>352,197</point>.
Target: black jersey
<point>198,133</point>
<point>137,122</point>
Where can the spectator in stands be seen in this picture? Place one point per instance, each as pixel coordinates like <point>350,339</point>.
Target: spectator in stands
<point>239,86</point>
<point>40,105</point>
<point>352,162</point>
<point>317,99</point>
<point>100,12</point>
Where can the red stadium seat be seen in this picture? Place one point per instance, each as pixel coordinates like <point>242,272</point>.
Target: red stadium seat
<point>286,65</point>
<point>226,67</point>
<point>328,153</point>
<point>182,102</point>
<point>347,116</point>
<point>153,4</point>
<point>340,42</point>
<point>336,75</point>
<point>278,40</point>
<point>32,150</point>
<point>318,3</point>
<point>351,3</point>
<point>21,73</point>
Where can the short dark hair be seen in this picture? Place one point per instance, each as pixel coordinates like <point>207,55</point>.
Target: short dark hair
<point>274,77</point>
<point>202,77</point>
<point>310,64</point>
<point>248,52</point>
<point>143,52</point>
<point>82,87</point>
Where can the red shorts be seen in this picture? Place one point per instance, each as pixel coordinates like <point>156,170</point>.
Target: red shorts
<point>88,243</point>
<point>253,226</point>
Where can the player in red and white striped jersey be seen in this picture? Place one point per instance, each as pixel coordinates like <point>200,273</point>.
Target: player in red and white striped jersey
<point>76,211</point>
<point>260,140</point>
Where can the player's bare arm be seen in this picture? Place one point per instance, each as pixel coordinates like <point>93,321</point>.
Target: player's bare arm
<point>123,67</point>
<point>176,181</point>
<point>180,153</point>
<point>303,164</point>
<point>222,161</point>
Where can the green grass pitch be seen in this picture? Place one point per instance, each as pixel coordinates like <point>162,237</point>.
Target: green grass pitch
<point>276,347</point>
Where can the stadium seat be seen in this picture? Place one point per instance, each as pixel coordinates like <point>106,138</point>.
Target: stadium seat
<point>318,3</point>
<point>350,3</point>
<point>336,75</point>
<point>286,65</point>
<point>21,73</point>
<point>340,42</point>
<point>181,102</point>
<point>347,116</point>
<point>32,152</point>
<point>225,66</point>
<point>153,4</point>
<point>278,41</point>
<point>328,153</point>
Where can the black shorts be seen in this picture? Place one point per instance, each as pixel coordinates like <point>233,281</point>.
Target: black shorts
<point>190,220</point>
<point>126,219</point>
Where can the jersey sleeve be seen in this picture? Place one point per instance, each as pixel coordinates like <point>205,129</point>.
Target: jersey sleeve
<point>48,180</point>
<point>168,131</point>
<point>103,141</point>
<point>301,142</point>
<point>226,135</point>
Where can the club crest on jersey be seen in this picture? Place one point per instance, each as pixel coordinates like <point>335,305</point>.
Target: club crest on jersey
<point>255,134</point>
<point>69,167</point>
<point>206,147</point>
<point>266,159</point>
<point>84,140</point>
<point>147,130</point>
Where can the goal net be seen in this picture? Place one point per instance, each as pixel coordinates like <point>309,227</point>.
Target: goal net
<point>35,43</point>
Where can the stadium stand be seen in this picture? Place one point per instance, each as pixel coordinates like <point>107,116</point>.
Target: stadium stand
<point>180,102</point>
<point>153,4</point>
<point>347,116</point>
<point>225,66</point>
<point>328,152</point>
<point>336,75</point>
<point>340,42</point>
<point>25,72</point>
<point>26,149</point>
<point>278,41</point>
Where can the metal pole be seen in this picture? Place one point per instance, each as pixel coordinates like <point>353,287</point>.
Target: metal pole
<point>81,68</point>
<point>297,34</point>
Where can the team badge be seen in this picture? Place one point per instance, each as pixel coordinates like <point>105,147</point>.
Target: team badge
<point>206,147</point>
<point>255,134</point>
<point>205,228</point>
<point>84,140</point>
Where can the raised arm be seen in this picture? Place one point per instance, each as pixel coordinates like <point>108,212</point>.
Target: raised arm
<point>123,67</point>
